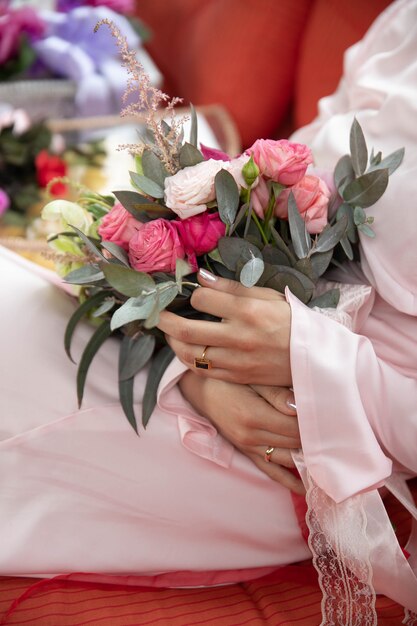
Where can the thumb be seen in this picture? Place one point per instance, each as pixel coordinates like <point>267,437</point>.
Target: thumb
<point>207,279</point>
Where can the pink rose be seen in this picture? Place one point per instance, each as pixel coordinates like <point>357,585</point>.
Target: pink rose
<point>283,161</point>
<point>119,226</point>
<point>156,247</point>
<point>201,233</point>
<point>260,198</point>
<point>189,190</point>
<point>312,197</point>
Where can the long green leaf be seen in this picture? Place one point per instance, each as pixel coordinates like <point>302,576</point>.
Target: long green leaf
<point>102,333</point>
<point>79,313</point>
<point>132,310</point>
<point>153,167</point>
<point>227,195</point>
<point>136,204</point>
<point>343,173</point>
<point>358,148</point>
<point>391,162</point>
<point>117,251</point>
<point>329,299</point>
<point>86,275</point>
<point>127,281</point>
<point>299,235</point>
<point>138,354</point>
<point>367,189</point>
<point>330,237</point>
<point>148,186</point>
<point>190,155</point>
<point>194,126</point>
<point>156,371</point>
<point>126,387</point>
<point>90,245</point>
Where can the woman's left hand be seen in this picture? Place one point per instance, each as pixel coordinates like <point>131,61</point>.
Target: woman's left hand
<point>251,343</point>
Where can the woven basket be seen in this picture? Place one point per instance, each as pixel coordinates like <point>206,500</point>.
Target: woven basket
<point>42,99</point>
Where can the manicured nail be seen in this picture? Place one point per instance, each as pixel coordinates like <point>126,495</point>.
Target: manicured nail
<point>291,403</point>
<point>206,275</point>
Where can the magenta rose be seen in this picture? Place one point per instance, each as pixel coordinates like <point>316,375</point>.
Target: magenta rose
<point>13,25</point>
<point>156,248</point>
<point>119,226</point>
<point>282,161</point>
<point>201,233</point>
<point>312,197</point>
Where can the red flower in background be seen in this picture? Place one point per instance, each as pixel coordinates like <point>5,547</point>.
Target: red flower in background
<point>48,167</point>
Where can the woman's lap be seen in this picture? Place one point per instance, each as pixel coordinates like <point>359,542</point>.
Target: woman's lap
<point>83,493</point>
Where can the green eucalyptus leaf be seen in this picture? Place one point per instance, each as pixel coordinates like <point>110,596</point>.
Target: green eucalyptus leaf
<point>190,155</point>
<point>153,318</point>
<point>167,291</point>
<point>153,167</point>
<point>158,366</point>
<point>367,189</point>
<point>86,275</point>
<point>329,299</point>
<point>107,306</point>
<point>117,251</point>
<point>347,247</point>
<point>281,245</point>
<point>331,235</point>
<point>194,126</point>
<point>366,230</point>
<point>246,232</point>
<point>358,149</point>
<point>79,313</point>
<point>127,281</point>
<point>306,267</point>
<point>234,250</point>
<point>102,333</point>
<point>274,256</point>
<point>346,209</point>
<point>359,215</point>
<point>375,159</point>
<point>251,272</point>
<point>343,173</point>
<point>300,238</point>
<point>126,386</point>
<point>139,352</point>
<point>182,268</point>
<point>132,310</point>
<point>320,262</point>
<point>279,279</point>
<point>227,195</point>
<point>145,184</point>
<point>90,244</point>
<point>135,203</point>
<point>391,162</point>
<point>239,217</point>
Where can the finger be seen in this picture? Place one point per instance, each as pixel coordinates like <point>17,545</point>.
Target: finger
<point>207,279</point>
<point>197,332</point>
<point>281,398</point>
<point>280,474</point>
<point>279,456</point>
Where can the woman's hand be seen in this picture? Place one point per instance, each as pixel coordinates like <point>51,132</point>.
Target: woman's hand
<point>253,420</point>
<point>249,346</point>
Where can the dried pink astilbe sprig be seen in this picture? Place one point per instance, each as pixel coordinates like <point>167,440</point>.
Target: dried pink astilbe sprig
<point>148,103</point>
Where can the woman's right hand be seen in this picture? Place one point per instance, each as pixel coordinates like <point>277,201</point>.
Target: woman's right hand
<point>253,419</point>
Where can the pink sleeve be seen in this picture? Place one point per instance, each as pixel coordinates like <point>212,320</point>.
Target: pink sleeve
<point>357,412</point>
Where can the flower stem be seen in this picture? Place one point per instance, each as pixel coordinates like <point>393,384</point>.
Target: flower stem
<point>261,230</point>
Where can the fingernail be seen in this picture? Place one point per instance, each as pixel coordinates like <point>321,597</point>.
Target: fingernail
<point>206,275</point>
<point>291,403</point>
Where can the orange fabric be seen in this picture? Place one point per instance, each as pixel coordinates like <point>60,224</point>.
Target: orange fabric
<point>333,26</point>
<point>239,53</point>
<point>267,61</point>
<point>288,597</point>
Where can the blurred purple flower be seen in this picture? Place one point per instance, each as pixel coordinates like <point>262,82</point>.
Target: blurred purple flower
<point>119,6</point>
<point>14,24</point>
<point>4,201</point>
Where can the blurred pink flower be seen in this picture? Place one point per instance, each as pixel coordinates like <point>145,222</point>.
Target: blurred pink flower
<point>15,23</point>
<point>4,201</point>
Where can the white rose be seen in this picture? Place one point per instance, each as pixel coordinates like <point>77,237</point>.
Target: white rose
<point>189,190</point>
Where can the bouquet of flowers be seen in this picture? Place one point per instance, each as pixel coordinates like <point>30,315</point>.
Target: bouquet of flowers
<point>261,218</point>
